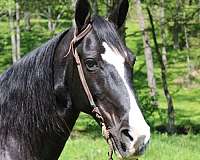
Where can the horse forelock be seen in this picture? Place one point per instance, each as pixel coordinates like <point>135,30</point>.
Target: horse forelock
<point>106,32</point>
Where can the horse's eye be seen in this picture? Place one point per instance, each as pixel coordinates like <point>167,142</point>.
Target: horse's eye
<point>91,64</point>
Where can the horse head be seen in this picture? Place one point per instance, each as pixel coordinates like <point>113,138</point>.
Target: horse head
<point>99,74</point>
<point>107,67</point>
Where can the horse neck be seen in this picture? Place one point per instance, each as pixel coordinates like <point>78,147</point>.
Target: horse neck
<point>39,142</point>
<point>65,109</point>
<point>47,147</point>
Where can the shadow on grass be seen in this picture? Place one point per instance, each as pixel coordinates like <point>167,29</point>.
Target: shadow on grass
<point>185,122</point>
<point>182,129</point>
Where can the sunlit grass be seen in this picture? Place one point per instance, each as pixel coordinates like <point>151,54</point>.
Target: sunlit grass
<point>162,147</point>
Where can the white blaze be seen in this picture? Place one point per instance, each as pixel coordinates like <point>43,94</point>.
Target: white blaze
<point>137,123</point>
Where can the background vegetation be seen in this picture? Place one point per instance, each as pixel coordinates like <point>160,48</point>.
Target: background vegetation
<point>25,25</point>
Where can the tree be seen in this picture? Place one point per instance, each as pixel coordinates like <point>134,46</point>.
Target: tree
<point>162,31</point>
<point>27,15</point>
<point>14,23</point>
<point>171,112</point>
<point>176,27</point>
<point>95,7</point>
<point>147,53</point>
<point>52,10</point>
<point>17,29</point>
<point>109,5</point>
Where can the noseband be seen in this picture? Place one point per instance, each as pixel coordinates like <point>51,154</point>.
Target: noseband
<point>95,110</point>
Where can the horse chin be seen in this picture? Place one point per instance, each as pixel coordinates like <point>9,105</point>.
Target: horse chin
<point>128,155</point>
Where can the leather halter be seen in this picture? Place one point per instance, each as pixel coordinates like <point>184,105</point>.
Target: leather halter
<point>72,48</point>
<point>95,110</point>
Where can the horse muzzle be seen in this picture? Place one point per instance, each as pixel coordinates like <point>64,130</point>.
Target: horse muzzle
<point>128,145</point>
<point>128,141</point>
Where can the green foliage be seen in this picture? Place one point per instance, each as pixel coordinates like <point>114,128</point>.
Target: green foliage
<point>41,8</point>
<point>5,4</point>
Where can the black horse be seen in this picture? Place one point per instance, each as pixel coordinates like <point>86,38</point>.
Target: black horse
<point>42,95</point>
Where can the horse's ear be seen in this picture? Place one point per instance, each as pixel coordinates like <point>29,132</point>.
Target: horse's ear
<point>82,13</point>
<point>119,13</point>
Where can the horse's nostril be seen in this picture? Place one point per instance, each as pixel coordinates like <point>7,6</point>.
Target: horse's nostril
<point>141,150</point>
<point>123,146</point>
<point>126,133</point>
<point>140,141</point>
<point>140,145</point>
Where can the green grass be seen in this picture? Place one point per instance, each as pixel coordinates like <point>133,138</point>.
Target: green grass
<point>162,147</point>
<point>87,143</point>
<point>85,148</point>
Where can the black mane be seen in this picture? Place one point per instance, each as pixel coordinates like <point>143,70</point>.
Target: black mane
<point>27,102</point>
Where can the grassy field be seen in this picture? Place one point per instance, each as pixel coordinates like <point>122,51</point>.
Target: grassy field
<point>162,147</point>
<point>185,96</point>
<point>86,142</point>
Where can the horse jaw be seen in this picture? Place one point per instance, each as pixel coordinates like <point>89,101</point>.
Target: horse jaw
<point>138,129</point>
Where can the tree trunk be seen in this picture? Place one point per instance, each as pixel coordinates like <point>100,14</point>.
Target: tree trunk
<point>162,30</point>
<point>27,20</point>
<point>189,65</point>
<point>176,35</point>
<point>55,23</point>
<point>186,35</point>
<point>171,112</point>
<point>50,23</point>
<point>18,30</point>
<point>199,10</point>
<point>27,16</point>
<point>122,33</point>
<point>147,52</point>
<point>108,6</point>
<point>176,28</point>
<point>13,35</point>
<point>73,2</point>
<point>95,7</point>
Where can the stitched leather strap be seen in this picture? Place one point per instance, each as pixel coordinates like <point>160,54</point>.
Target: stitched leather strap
<point>78,62</point>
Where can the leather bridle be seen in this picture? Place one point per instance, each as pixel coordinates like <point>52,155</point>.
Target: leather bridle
<point>95,110</point>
